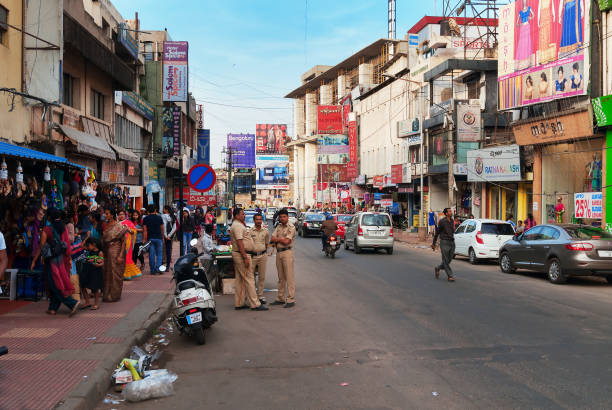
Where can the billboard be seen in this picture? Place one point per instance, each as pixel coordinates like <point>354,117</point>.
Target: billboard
<point>588,205</point>
<point>272,171</point>
<point>352,170</point>
<point>329,119</point>
<point>271,138</point>
<point>542,56</point>
<point>203,146</point>
<point>333,149</point>
<point>243,147</point>
<point>468,122</point>
<point>175,59</point>
<point>333,172</point>
<point>498,164</point>
<point>171,137</point>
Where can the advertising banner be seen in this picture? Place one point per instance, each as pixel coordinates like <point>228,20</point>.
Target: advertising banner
<point>126,39</point>
<point>203,146</point>
<point>171,138</point>
<point>333,149</point>
<point>468,122</point>
<point>542,53</point>
<point>588,205</point>
<point>396,174</point>
<point>602,108</point>
<point>497,164</point>
<point>271,138</point>
<point>272,171</point>
<point>333,172</point>
<point>175,60</point>
<point>352,170</point>
<point>329,119</point>
<point>137,103</point>
<point>409,128</point>
<point>243,147</point>
<point>378,181</point>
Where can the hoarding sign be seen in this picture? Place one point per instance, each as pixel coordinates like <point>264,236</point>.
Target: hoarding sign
<point>243,150</point>
<point>497,164</point>
<point>397,174</point>
<point>329,119</point>
<point>333,149</point>
<point>128,41</point>
<point>542,55</point>
<point>138,104</point>
<point>602,108</point>
<point>272,171</point>
<point>171,138</point>
<point>468,122</point>
<point>378,181</point>
<point>200,117</point>
<point>554,129</point>
<point>409,128</point>
<point>333,172</point>
<point>271,138</point>
<point>352,170</point>
<point>588,205</point>
<point>203,146</point>
<point>175,61</point>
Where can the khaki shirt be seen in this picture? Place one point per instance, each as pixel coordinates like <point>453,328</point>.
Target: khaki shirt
<point>285,231</point>
<point>261,238</point>
<point>240,231</point>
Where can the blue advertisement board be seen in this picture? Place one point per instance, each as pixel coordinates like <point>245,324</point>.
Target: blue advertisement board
<point>243,150</point>
<point>203,146</point>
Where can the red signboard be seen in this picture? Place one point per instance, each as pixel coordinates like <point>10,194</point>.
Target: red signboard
<point>352,170</point>
<point>196,198</point>
<point>378,181</point>
<point>396,174</point>
<point>329,119</point>
<point>345,116</point>
<point>333,172</point>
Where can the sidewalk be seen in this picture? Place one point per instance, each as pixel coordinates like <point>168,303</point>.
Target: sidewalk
<point>68,361</point>
<point>410,237</point>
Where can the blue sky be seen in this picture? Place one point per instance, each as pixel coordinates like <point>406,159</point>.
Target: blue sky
<point>250,53</point>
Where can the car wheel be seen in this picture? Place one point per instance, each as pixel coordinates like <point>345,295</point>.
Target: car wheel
<point>505,263</point>
<point>555,272</point>
<point>389,251</point>
<point>356,247</point>
<point>472,256</point>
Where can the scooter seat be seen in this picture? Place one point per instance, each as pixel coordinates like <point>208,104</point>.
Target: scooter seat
<point>188,284</point>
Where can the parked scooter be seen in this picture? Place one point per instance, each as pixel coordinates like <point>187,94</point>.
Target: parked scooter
<point>331,246</point>
<point>194,305</point>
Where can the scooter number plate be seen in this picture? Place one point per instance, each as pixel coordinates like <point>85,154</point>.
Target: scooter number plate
<point>194,318</point>
<point>332,243</point>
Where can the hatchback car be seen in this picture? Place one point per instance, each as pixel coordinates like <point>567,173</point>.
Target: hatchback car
<point>560,251</point>
<point>341,220</point>
<point>482,238</point>
<point>369,230</point>
<point>310,224</point>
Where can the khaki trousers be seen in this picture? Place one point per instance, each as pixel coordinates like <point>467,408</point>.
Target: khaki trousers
<point>286,279</point>
<point>259,262</point>
<point>244,284</point>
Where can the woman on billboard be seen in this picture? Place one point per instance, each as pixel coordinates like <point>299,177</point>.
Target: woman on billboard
<point>524,48</point>
<point>571,13</point>
<point>546,17</point>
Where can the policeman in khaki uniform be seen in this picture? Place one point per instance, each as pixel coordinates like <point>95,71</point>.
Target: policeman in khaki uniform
<point>261,240</point>
<point>244,282</point>
<point>283,237</point>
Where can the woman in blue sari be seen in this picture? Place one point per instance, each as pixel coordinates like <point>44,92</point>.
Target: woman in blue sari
<point>571,13</point>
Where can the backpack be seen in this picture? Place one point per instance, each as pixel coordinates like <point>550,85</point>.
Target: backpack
<point>54,247</point>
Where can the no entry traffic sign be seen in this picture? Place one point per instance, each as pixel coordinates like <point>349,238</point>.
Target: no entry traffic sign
<point>201,178</point>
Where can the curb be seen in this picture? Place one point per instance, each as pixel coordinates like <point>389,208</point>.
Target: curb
<point>89,393</point>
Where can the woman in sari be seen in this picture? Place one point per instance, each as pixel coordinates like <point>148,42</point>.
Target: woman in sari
<point>113,245</point>
<point>131,270</point>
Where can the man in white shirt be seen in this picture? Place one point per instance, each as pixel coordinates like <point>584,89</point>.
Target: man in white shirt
<point>169,230</point>
<point>208,246</point>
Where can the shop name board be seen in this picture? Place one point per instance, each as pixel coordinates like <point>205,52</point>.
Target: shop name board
<point>378,181</point>
<point>127,40</point>
<point>588,205</point>
<point>494,164</point>
<point>602,108</point>
<point>605,5</point>
<point>571,126</point>
<point>329,119</point>
<point>196,198</point>
<point>138,104</point>
<point>409,128</point>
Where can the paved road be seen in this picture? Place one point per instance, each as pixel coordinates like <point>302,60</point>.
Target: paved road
<point>402,339</point>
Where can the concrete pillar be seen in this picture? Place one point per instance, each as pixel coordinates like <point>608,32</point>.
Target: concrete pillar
<point>299,117</point>
<point>538,199</point>
<point>310,172</point>
<point>365,74</point>
<point>326,95</point>
<point>342,86</point>
<point>311,113</point>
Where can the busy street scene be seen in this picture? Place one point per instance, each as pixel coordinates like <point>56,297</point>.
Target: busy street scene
<point>305,205</point>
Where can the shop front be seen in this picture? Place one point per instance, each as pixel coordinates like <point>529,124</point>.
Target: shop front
<point>567,161</point>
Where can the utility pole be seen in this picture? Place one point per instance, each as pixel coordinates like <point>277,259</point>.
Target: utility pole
<point>230,183</point>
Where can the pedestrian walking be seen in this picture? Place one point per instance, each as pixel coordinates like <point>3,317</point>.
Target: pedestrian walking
<point>90,275</point>
<point>153,227</point>
<point>261,240</point>
<point>187,230</point>
<point>244,285</point>
<point>136,255</point>
<point>445,230</point>
<point>283,237</point>
<point>170,226</point>
<point>113,246</point>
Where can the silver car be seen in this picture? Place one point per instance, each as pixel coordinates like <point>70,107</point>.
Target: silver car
<point>369,230</point>
<point>560,251</point>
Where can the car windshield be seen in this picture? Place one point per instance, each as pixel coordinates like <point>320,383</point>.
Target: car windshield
<point>497,229</point>
<point>315,217</point>
<point>587,232</point>
<point>344,218</point>
<point>292,215</point>
<point>249,219</point>
<point>375,220</point>
<point>271,209</point>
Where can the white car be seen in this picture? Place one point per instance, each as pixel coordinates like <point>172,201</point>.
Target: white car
<point>293,217</point>
<point>482,238</point>
<point>270,211</point>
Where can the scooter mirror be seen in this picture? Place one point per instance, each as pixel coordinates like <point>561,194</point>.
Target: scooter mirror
<point>163,268</point>
<point>195,273</point>
<point>193,242</point>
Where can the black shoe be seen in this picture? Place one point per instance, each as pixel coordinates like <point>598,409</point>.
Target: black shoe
<point>241,307</point>
<point>289,305</point>
<point>277,303</point>
<point>260,307</point>
<point>262,301</point>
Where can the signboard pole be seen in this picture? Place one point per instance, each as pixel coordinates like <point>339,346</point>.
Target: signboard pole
<point>423,210</point>
<point>180,202</point>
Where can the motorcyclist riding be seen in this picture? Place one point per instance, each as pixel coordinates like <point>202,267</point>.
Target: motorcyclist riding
<point>328,227</point>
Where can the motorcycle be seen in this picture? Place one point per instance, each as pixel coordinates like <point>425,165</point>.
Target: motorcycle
<point>331,246</point>
<point>194,305</point>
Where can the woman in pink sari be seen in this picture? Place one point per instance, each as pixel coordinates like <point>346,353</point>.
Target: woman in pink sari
<point>131,269</point>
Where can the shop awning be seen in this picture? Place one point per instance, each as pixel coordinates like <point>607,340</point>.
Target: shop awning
<point>89,144</point>
<point>22,152</point>
<point>125,154</point>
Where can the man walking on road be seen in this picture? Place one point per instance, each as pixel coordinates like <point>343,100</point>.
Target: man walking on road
<point>261,240</point>
<point>446,231</point>
<point>153,227</point>
<point>244,282</point>
<point>283,237</point>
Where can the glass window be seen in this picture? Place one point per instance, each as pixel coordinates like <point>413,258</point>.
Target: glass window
<point>3,23</point>
<point>587,233</point>
<point>549,233</point>
<point>497,229</point>
<point>375,220</point>
<point>533,234</point>
<point>315,217</point>
<point>97,104</point>
<point>461,228</point>
<point>344,218</point>
<point>471,227</point>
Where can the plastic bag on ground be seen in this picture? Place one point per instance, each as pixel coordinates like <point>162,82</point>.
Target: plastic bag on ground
<point>152,387</point>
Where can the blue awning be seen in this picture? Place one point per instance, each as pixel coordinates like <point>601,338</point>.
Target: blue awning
<point>22,152</point>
